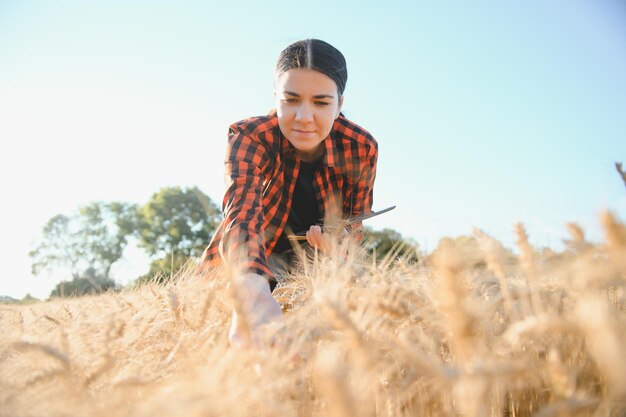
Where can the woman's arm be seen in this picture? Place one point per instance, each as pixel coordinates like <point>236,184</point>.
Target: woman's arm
<point>363,193</point>
<point>360,201</point>
<point>243,244</point>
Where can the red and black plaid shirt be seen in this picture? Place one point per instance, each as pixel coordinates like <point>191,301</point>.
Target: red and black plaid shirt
<point>261,171</point>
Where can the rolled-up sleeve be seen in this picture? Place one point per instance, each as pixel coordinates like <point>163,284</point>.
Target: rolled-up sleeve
<point>242,245</point>
<point>363,197</point>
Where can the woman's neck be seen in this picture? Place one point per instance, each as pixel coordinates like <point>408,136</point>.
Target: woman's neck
<point>312,155</point>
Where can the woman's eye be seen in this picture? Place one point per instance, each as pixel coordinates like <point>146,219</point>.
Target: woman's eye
<point>322,103</point>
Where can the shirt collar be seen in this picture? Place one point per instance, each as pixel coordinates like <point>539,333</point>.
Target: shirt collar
<point>330,157</point>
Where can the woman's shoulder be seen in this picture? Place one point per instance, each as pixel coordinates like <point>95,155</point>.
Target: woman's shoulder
<point>254,126</point>
<point>349,130</point>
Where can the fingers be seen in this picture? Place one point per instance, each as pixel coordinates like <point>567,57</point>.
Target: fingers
<point>254,309</point>
<point>251,327</point>
<point>316,238</point>
<point>264,337</point>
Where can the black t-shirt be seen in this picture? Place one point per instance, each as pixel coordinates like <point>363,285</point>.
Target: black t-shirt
<point>304,209</point>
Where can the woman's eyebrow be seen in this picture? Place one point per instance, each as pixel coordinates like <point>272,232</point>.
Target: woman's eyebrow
<point>324,96</point>
<point>291,93</point>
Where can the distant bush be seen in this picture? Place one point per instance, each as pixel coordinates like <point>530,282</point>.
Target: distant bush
<point>389,242</point>
<point>82,286</point>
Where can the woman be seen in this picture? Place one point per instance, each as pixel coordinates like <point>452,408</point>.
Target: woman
<point>287,171</point>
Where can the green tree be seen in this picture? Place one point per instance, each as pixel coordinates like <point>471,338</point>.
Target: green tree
<point>176,223</point>
<point>86,243</point>
<point>383,242</point>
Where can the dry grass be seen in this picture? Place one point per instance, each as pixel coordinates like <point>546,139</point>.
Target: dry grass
<point>469,331</point>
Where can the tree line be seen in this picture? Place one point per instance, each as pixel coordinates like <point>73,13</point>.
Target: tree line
<point>172,227</point>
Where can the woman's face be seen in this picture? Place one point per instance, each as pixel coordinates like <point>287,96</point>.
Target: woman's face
<point>307,104</point>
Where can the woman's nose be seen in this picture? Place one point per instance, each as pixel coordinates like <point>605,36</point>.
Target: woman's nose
<point>304,113</point>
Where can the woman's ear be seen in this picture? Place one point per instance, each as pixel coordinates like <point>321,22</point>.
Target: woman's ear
<point>339,106</point>
<point>275,99</point>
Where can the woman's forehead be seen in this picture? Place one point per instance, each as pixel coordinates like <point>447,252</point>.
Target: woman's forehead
<point>306,81</point>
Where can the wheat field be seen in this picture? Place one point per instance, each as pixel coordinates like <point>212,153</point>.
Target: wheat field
<point>470,330</point>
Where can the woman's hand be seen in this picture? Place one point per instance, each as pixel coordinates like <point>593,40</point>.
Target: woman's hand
<point>259,308</point>
<point>319,240</point>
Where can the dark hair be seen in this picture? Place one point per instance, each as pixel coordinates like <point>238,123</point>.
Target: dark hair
<point>316,55</point>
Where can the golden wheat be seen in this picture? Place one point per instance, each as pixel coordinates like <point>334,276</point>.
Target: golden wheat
<point>472,330</point>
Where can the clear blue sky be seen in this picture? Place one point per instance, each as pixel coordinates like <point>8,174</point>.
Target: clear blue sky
<point>486,112</point>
